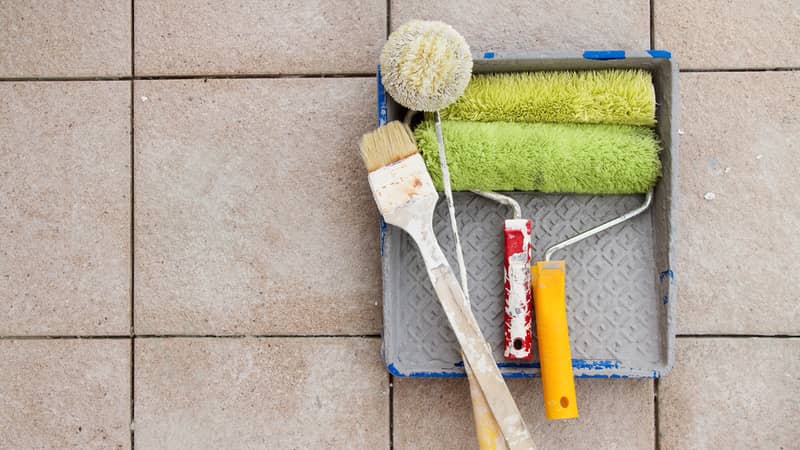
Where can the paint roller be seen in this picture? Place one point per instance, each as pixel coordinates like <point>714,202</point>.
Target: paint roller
<point>586,158</point>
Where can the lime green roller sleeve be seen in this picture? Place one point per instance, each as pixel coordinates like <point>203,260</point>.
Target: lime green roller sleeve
<point>570,158</point>
<point>594,96</point>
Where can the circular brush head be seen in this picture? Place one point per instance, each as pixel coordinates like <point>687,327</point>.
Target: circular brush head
<point>425,65</point>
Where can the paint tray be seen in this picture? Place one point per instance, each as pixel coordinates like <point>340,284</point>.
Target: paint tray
<point>620,283</point>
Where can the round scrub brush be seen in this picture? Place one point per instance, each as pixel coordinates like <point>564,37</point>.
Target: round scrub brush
<point>426,66</point>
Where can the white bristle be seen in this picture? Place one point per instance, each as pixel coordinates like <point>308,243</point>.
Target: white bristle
<point>426,65</point>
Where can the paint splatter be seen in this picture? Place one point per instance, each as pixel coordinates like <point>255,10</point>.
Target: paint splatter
<point>517,287</point>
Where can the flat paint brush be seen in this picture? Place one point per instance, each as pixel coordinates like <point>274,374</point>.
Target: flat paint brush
<point>406,197</point>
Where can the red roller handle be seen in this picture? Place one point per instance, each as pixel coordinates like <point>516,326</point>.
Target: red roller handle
<point>517,264</point>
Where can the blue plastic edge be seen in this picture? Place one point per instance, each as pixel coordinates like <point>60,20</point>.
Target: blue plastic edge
<point>589,364</point>
<point>666,275</point>
<point>383,113</point>
<point>604,54</point>
<point>592,364</point>
<point>660,54</point>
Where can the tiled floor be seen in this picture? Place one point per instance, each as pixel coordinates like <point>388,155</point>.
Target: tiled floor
<point>188,250</point>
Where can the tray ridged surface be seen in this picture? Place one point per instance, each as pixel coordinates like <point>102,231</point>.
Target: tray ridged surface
<point>612,301</point>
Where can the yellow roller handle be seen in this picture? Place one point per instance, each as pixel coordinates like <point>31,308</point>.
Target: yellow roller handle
<point>552,333</point>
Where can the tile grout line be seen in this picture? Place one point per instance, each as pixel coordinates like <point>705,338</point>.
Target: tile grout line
<point>328,336</point>
<point>64,337</point>
<point>256,336</point>
<point>133,39</point>
<point>318,75</point>
<point>191,336</point>
<point>196,77</point>
<point>652,26</point>
<point>741,70</point>
<point>657,438</point>
<point>391,411</point>
<point>738,336</point>
<point>132,424</point>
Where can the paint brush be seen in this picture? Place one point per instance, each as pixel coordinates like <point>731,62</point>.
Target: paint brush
<point>406,197</point>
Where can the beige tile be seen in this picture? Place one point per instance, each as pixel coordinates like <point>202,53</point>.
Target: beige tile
<point>731,393</point>
<point>253,212</point>
<point>437,413</point>
<point>65,393</point>
<point>730,34</point>
<point>256,36</point>
<point>509,25</point>
<point>58,38</point>
<point>738,252</point>
<point>65,208</point>
<point>261,393</point>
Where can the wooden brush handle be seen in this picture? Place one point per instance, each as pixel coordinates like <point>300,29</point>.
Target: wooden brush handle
<point>488,432</point>
<point>473,345</point>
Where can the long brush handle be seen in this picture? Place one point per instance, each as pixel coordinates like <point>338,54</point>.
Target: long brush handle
<point>486,427</point>
<point>473,345</point>
<point>451,209</point>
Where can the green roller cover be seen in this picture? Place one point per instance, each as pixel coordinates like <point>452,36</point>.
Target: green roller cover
<point>595,96</point>
<point>570,158</point>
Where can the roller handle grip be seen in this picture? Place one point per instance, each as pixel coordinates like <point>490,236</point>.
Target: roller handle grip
<point>517,289</point>
<point>552,333</point>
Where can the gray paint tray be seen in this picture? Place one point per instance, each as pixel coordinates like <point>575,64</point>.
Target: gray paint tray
<point>620,283</point>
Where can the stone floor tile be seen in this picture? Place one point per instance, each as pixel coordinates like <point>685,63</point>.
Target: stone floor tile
<point>731,393</point>
<point>277,393</point>
<point>731,34</point>
<point>57,38</point>
<point>256,36</point>
<point>738,213</point>
<point>65,181</point>
<point>509,25</point>
<point>65,393</point>
<point>437,413</point>
<point>253,212</point>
